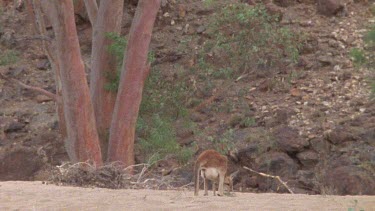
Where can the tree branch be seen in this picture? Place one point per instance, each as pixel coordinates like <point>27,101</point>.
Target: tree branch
<point>33,88</point>
<point>92,10</point>
<point>270,176</point>
<point>37,37</point>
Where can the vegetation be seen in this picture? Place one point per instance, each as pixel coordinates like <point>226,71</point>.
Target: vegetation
<point>366,57</point>
<point>247,38</point>
<point>8,57</point>
<point>159,141</point>
<point>162,103</point>
<point>225,143</point>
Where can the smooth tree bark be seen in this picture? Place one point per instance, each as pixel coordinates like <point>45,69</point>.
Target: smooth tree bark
<point>103,63</point>
<point>133,75</point>
<point>36,8</point>
<point>92,10</point>
<point>82,142</point>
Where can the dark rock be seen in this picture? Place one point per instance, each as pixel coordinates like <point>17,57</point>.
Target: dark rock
<point>329,7</point>
<point>235,120</point>
<point>196,117</point>
<point>325,60</point>
<point>14,127</point>
<point>17,71</point>
<point>345,76</point>
<point>308,158</point>
<point>340,135</point>
<point>8,39</point>
<point>265,85</point>
<point>306,178</point>
<point>19,163</point>
<point>276,163</point>
<point>281,117</point>
<point>43,64</point>
<point>350,180</point>
<point>250,2</point>
<point>246,156</point>
<point>288,139</point>
<point>284,3</point>
<point>275,10</point>
<point>320,145</point>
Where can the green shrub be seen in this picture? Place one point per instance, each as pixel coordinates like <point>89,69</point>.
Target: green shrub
<point>358,56</point>
<point>225,143</point>
<point>160,141</point>
<point>247,37</point>
<point>366,57</point>
<point>9,57</point>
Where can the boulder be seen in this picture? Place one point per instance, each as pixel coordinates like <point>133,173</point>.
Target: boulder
<point>329,7</point>
<point>308,158</point>
<point>277,164</point>
<point>350,180</point>
<point>289,140</point>
<point>19,163</point>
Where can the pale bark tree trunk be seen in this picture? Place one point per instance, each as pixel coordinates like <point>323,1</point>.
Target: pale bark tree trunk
<point>35,8</point>
<point>135,69</point>
<point>92,10</point>
<point>103,64</point>
<point>82,139</point>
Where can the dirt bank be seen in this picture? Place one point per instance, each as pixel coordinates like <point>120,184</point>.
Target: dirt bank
<point>36,196</point>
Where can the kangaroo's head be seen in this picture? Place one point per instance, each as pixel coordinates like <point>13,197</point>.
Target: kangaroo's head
<point>228,180</point>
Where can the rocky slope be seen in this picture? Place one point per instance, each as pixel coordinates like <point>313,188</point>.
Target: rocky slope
<point>314,123</point>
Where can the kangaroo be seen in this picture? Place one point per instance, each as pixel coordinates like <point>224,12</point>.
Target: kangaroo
<point>212,166</point>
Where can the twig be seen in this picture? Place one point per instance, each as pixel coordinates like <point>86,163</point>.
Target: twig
<point>37,37</point>
<point>33,88</point>
<point>270,176</point>
<point>132,166</point>
<point>142,172</point>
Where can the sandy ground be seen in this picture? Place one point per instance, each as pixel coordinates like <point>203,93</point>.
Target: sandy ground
<point>36,196</point>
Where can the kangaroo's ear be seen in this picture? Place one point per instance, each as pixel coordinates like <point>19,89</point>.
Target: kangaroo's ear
<point>234,174</point>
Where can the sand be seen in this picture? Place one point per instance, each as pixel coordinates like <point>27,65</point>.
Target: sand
<point>37,196</point>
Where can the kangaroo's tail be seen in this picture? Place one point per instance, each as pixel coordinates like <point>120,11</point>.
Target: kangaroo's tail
<point>196,179</point>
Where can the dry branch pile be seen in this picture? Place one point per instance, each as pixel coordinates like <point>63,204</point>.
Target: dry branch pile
<point>113,176</point>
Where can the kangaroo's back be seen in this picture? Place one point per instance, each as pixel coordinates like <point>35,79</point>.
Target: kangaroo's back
<point>210,159</point>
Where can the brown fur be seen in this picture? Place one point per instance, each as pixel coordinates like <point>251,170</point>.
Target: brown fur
<point>208,164</point>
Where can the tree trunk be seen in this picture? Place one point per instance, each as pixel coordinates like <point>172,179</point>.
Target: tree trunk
<point>135,69</point>
<point>82,139</point>
<point>35,11</point>
<point>92,10</point>
<point>103,64</point>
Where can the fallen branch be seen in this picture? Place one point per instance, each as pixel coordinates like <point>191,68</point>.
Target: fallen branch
<point>33,88</point>
<point>37,37</point>
<point>270,176</point>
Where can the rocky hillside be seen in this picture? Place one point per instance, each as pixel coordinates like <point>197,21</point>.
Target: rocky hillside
<point>311,121</point>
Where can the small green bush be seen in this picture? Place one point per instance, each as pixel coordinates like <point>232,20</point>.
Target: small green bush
<point>247,38</point>
<point>358,56</point>
<point>366,57</point>
<point>160,141</point>
<point>225,143</point>
<point>9,57</point>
